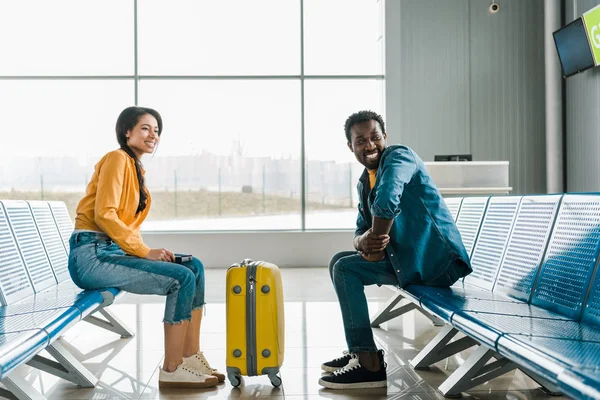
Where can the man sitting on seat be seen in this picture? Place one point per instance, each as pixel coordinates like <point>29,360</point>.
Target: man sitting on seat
<point>404,234</point>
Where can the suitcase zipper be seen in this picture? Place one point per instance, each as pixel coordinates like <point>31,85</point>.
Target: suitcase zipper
<point>251,321</point>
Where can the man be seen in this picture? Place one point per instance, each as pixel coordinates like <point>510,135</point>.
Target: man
<point>404,234</point>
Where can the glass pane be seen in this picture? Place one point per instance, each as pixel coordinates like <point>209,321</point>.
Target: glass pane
<point>343,37</point>
<point>332,169</point>
<point>225,37</point>
<point>55,132</point>
<point>229,155</point>
<point>66,37</point>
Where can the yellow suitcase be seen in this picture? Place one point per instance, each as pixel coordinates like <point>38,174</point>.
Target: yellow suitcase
<point>255,321</point>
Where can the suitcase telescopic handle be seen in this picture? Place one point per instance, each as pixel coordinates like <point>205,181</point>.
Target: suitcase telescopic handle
<point>245,263</point>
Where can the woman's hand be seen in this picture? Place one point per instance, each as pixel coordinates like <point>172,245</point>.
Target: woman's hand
<point>161,255</point>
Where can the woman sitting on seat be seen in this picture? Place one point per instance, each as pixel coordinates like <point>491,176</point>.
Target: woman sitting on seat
<point>107,250</point>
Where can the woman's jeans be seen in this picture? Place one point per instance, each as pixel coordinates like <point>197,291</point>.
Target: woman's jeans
<point>350,273</point>
<point>96,262</point>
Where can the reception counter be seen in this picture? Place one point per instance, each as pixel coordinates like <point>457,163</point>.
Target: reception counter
<point>470,178</point>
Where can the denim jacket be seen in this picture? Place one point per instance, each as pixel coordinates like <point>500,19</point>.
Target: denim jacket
<point>424,240</point>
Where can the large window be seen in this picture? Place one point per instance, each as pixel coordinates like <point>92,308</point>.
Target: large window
<point>66,37</point>
<point>332,171</point>
<point>224,37</point>
<point>253,94</point>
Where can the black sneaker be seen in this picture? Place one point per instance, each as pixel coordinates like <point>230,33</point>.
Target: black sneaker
<point>337,363</point>
<point>355,376</point>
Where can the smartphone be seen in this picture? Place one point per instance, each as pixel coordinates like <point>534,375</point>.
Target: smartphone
<point>180,259</point>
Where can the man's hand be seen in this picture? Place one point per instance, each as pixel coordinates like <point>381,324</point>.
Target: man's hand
<point>373,257</point>
<point>369,242</point>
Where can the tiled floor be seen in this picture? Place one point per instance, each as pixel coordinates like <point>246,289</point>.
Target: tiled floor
<point>128,368</point>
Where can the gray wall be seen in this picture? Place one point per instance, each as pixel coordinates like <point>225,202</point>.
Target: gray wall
<point>461,80</point>
<point>583,118</point>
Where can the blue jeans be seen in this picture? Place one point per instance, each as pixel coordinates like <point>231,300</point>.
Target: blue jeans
<point>96,262</point>
<point>350,273</point>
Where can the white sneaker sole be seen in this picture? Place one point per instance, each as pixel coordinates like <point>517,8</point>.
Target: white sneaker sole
<point>219,376</point>
<point>188,385</point>
<point>359,385</point>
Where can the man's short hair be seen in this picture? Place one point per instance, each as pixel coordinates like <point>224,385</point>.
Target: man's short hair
<point>359,118</point>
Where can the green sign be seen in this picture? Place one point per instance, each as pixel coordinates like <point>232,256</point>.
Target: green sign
<point>591,19</point>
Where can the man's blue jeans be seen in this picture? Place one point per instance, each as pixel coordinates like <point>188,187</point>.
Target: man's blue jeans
<point>96,262</point>
<point>350,273</point>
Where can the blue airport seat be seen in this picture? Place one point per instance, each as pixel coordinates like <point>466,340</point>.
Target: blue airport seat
<point>51,238</point>
<point>513,276</point>
<point>494,227</point>
<point>469,220</point>
<point>37,265</point>
<point>562,284</point>
<point>84,301</point>
<point>14,280</point>
<point>573,249</point>
<point>63,221</point>
<point>51,321</point>
<point>469,214</point>
<point>582,384</point>
<point>55,228</point>
<point>19,347</point>
<point>534,326</point>
<point>542,307</point>
<point>39,302</point>
<point>453,204</point>
<point>539,353</point>
<point>30,244</point>
<point>526,247</point>
<point>492,239</point>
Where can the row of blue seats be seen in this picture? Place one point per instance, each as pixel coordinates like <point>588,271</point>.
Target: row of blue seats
<point>39,302</point>
<point>532,301</point>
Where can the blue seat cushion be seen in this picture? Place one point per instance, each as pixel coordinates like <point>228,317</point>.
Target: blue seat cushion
<point>487,327</point>
<point>483,307</point>
<point>568,354</point>
<point>85,301</point>
<point>581,384</point>
<point>419,291</point>
<point>449,301</point>
<point>443,302</point>
<point>19,347</point>
<point>422,292</point>
<point>54,322</point>
<point>69,287</point>
<point>529,326</point>
<point>464,291</point>
<point>480,332</point>
<point>410,294</point>
<point>65,287</point>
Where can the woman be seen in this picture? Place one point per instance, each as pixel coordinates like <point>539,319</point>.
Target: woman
<point>107,250</point>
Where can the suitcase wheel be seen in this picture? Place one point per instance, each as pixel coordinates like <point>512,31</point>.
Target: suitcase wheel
<point>275,380</point>
<point>235,379</point>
